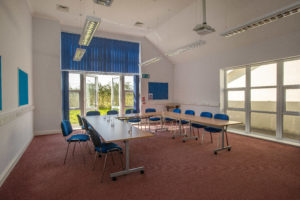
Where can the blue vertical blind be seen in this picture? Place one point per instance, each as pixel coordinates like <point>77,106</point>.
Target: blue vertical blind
<point>136,93</point>
<point>102,55</point>
<point>65,94</point>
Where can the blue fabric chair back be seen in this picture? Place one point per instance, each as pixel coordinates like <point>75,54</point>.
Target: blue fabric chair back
<point>79,120</point>
<point>66,128</point>
<point>206,114</point>
<point>177,110</point>
<point>112,112</point>
<point>189,112</point>
<point>93,113</point>
<point>221,116</point>
<point>129,111</point>
<point>149,110</point>
<point>95,138</point>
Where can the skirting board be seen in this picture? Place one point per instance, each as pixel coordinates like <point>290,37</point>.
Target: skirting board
<point>46,132</point>
<point>13,163</point>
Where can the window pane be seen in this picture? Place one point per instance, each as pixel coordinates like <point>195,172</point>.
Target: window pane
<point>292,98</point>
<point>291,127</point>
<point>90,92</point>
<point>74,81</point>
<point>115,96</point>
<point>264,75</point>
<point>263,99</point>
<point>73,117</point>
<point>291,72</point>
<point>74,100</point>
<point>236,99</point>
<point>129,99</point>
<point>236,78</point>
<point>237,116</point>
<point>128,82</point>
<point>263,123</point>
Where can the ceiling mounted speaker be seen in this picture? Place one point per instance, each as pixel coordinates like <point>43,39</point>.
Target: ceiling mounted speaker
<point>104,2</point>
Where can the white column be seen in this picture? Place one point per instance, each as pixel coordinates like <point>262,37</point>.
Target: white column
<point>122,95</point>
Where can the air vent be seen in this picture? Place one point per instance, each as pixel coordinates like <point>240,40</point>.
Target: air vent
<point>104,2</point>
<point>139,24</point>
<point>62,8</point>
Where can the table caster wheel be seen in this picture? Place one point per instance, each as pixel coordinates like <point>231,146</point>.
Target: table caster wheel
<point>215,152</point>
<point>196,138</point>
<point>142,172</point>
<point>229,149</point>
<point>114,178</point>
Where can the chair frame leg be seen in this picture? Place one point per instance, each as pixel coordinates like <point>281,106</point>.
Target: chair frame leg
<point>121,158</point>
<point>112,158</point>
<point>226,138</point>
<point>74,148</point>
<point>211,139</point>
<point>66,153</point>
<point>104,166</point>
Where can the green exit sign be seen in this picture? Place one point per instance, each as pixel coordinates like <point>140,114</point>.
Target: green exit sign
<point>145,75</point>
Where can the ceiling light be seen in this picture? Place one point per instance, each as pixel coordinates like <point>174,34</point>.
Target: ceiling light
<point>90,27</point>
<point>79,54</point>
<point>185,48</point>
<point>104,2</point>
<point>151,61</point>
<point>271,17</point>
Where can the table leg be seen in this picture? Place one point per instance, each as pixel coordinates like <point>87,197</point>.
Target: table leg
<point>161,126</point>
<point>127,169</point>
<point>228,147</point>
<point>190,137</point>
<point>180,132</point>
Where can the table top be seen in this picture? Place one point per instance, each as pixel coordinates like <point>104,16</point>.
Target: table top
<point>180,116</point>
<point>118,132</point>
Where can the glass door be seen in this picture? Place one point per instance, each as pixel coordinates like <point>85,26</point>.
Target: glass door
<point>91,100</point>
<point>115,83</point>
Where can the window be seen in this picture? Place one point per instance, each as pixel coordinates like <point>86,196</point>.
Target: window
<point>74,98</point>
<point>129,95</point>
<point>265,98</point>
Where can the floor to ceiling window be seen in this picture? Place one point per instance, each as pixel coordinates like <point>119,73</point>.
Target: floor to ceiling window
<point>265,97</point>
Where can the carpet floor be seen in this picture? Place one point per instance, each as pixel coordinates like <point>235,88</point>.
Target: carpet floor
<point>253,169</point>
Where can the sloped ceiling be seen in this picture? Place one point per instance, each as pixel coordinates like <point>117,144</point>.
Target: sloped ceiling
<point>168,24</point>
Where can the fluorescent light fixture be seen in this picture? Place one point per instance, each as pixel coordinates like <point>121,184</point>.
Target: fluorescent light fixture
<point>90,27</point>
<point>104,2</point>
<point>151,61</point>
<point>79,54</point>
<point>271,17</point>
<point>185,48</point>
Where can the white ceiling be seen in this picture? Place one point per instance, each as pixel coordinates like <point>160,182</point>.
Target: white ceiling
<point>119,18</point>
<point>169,23</point>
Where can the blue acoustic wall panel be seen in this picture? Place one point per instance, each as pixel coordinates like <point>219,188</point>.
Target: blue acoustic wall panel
<point>158,91</point>
<point>0,86</point>
<point>23,88</point>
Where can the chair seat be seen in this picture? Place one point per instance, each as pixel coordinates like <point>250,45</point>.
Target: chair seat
<point>134,120</point>
<point>78,137</point>
<point>169,119</point>
<point>154,118</point>
<point>184,122</point>
<point>108,147</point>
<point>212,129</point>
<point>198,125</point>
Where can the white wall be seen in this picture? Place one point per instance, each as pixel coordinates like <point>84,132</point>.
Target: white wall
<point>47,77</point>
<point>16,123</point>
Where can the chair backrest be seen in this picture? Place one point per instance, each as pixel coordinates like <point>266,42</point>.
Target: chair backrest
<point>221,116</point>
<point>149,110</point>
<point>93,113</point>
<point>112,112</point>
<point>177,110</point>
<point>129,111</point>
<point>206,114</point>
<point>189,112</point>
<point>79,120</point>
<point>85,123</point>
<point>66,128</point>
<point>95,138</point>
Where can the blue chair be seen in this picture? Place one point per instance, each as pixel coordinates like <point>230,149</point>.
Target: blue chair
<point>80,122</point>
<point>112,112</point>
<point>176,110</point>
<point>67,130</point>
<point>93,113</point>
<point>103,148</point>
<point>135,120</point>
<point>153,119</point>
<point>217,130</point>
<point>198,126</point>
<point>187,112</point>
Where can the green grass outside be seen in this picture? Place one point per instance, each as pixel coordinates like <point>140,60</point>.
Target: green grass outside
<point>74,113</point>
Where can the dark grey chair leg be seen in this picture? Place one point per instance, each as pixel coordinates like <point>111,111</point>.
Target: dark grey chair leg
<point>211,139</point>
<point>67,153</point>
<point>112,158</point>
<point>74,147</point>
<point>226,138</point>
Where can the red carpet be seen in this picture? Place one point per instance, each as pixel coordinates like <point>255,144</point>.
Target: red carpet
<point>254,169</point>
